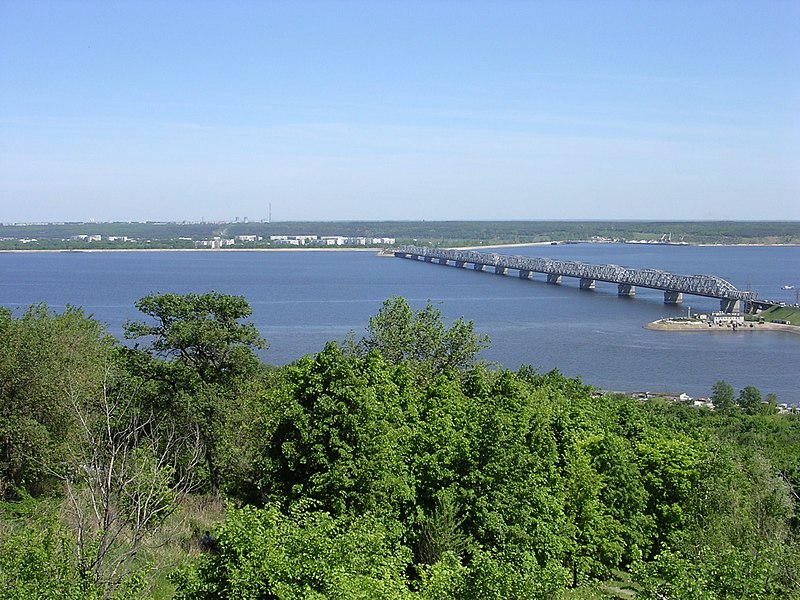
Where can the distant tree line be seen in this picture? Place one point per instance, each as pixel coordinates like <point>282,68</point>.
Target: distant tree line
<point>395,465</point>
<point>448,233</point>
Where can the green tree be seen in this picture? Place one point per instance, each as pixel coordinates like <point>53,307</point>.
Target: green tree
<point>770,407</point>
<point>750,400</point>
<point>669,462</point>
<point>201,332</point>
<point>202,354</point>
<point>723,396</point>
<point>421,339</point>
<point>342,439</point>
<point>47,360</point>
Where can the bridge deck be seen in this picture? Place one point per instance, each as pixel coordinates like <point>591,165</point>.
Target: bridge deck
<point>697,285</point>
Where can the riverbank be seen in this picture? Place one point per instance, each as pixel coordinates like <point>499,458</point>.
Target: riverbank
<point>281,249</point>
<point>697,325</point>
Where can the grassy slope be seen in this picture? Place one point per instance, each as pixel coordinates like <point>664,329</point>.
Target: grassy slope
<point>782,313</point>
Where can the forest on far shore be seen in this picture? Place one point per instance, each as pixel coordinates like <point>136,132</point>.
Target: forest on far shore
<point>392,466</point>
<point>131,235</point>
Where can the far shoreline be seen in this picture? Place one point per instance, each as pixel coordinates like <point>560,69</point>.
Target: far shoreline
<point>96,250</point>
<point>380,251</point>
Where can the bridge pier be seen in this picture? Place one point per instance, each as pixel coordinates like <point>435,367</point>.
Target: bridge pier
<point>500,270</point>
<point>427,258</point>
<point>671,297</point>
<point>478,267</point>
<point>443,261</point>
<point>460,264</point>
<point>727,305</point>
<point>587,283</point>
<point>626,290</point>
<point>554,278</point>
<point>523,274</point>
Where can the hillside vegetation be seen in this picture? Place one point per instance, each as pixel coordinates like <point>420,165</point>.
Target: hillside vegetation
<point>391,466</point>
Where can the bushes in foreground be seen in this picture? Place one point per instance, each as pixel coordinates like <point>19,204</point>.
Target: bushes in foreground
<point>397,466</point>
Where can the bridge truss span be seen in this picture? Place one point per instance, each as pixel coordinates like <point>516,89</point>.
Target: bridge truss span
<point>674,285</point>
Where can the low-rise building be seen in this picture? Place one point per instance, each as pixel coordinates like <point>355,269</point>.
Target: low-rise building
<point>723,318</point>
<point>215,243</point>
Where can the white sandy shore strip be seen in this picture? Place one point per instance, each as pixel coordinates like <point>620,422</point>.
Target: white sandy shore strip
<point>281,249</point>
<point>521,245</point>
<point>667,325</point>
<point>572,242</point>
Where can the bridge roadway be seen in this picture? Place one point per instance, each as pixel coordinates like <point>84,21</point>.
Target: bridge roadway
<point>627,280</point>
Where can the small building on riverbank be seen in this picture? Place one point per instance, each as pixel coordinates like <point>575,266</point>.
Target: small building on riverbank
<point>727,319</point>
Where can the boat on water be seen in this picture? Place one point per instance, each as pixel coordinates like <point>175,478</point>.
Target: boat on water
<point>788,287</point>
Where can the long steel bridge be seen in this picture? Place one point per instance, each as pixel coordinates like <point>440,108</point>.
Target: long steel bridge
<point>627,280</point>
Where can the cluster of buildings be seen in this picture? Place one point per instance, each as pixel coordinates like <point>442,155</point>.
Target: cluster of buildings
<point>297,240</point>
<point>329,240</point>
<point>782,408</point>
<point>99,238</point>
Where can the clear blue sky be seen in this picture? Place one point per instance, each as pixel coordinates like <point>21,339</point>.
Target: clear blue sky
<point>149,110</point>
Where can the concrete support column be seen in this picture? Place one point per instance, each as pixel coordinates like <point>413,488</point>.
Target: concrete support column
<point>525,274</point>
<point>442,261</point>
<point>500,270</point>
<point>553,278</point>
<point>427,258</point>
<point>729,306</point>
<point>478,267</point>
<point>673,297</point>
<point>460,264</point>
<point>587,283</point>
<point>626,290</point>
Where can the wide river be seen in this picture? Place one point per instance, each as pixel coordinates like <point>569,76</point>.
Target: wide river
<point>301,300</point>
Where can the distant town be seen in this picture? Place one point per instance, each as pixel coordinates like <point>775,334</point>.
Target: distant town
<point>184,235</point>
<point>240,233</point>
<point>240,240</point>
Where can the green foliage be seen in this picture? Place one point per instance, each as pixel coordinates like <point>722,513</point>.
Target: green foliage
<point>669,466</point>
<point>723,396</point>
<point>201,331</point>
<point>750,400</point>
<point>420,339</point>
<point>342,437</point>
<point>496,577</point>
<point>400,467</point>
<point>49,365</point>
<point>39,561</point>
<point>201,356</point>
<point>441,532</point>
<point>265,554</point>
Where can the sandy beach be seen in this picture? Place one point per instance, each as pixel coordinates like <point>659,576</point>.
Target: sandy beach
<point>281,249</point>
<point>688,326</point>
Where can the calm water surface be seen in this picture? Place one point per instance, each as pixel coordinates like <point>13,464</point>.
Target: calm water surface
<point>302,300</point>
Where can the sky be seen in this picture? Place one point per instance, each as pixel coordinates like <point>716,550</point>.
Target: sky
<point>399,110</point>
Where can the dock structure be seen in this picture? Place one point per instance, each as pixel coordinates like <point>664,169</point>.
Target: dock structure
<point>673,285</point>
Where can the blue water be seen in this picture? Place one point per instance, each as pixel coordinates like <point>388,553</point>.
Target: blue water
<point>302,300</point>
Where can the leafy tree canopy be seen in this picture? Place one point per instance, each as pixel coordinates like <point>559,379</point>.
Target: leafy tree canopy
<point>202,331</point>
<point>421,339</point>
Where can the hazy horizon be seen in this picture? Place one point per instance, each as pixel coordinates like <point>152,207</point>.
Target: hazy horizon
<point>412,111</point>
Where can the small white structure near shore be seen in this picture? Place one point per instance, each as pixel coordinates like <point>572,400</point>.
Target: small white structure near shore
<point>723,318</point>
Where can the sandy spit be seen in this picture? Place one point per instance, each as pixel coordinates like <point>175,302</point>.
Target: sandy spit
<point>667,325</point>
